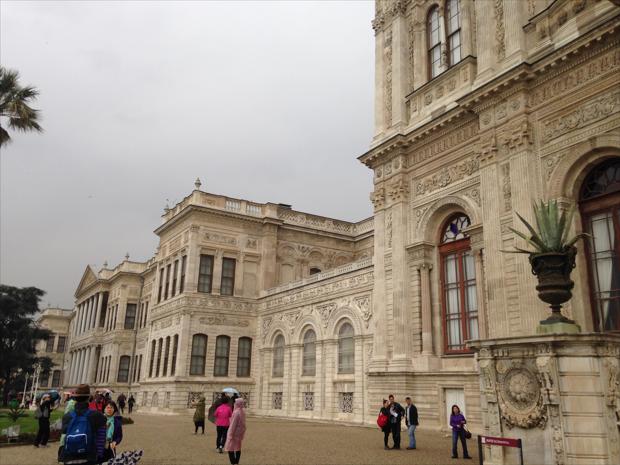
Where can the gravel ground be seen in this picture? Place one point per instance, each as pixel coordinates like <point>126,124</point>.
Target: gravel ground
<point>169,440</point>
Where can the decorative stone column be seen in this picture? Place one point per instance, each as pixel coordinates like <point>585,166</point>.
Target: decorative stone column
<point>477,247</point>
<point>92,365</point>
<point>99,308</point>
<point>193,260</point>
<point>216,282</point>
<point>379,355</point>
<point>421,256</point>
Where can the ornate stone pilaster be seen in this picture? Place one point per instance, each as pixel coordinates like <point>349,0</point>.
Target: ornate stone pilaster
<point>421,255</point>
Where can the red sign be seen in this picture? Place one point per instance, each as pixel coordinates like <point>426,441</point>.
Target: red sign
<point>506,442</point>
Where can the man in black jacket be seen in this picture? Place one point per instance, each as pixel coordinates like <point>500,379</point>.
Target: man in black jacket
<point>411,420</point>
<point>396,416</point>
<point>96,419</point>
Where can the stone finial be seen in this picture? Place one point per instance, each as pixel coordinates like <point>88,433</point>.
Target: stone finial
<point>197,183</point>
<point>127,256</point>
<point>105,264</point>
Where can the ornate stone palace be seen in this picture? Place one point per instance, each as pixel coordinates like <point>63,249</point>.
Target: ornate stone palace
<point>481,107</point>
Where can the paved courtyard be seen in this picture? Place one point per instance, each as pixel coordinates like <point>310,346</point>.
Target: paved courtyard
<point>169,440</point>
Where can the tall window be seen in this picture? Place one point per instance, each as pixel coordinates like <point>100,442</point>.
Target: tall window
<point>167,282</point>
<point>175,347</point>
<point>44,379</point>
<point>458,283</point>
<point>130,316</point>
<point>146,313</point>
<point>434,42</point>
<point>183,267</point>
<point>309,354</point>
<point>278,357</point>
<point>60,348</point>
<point>346,349</point>
<point>49,344</point>
<point>205,274</point>
<point>453,28</point>
<point>199,355</point>
<point>228,276</point>
<point>600,211</point>
<point>222,349</point>
<point>56,378</point>
<point>175,272</point>
<point>123,369</point>
<point>166,356</point>
<point>160,343</point>
<point>139,367</point>
<point>244,356</point>
<point>161,284</point>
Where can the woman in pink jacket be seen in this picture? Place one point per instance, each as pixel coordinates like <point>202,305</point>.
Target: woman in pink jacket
<point>236,432</point>
<point>222,421</point>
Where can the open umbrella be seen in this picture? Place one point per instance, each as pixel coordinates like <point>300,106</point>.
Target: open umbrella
<point>126,458</point>
<point>230,390</point>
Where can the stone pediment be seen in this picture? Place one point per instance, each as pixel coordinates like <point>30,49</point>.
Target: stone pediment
<point>89,277</point>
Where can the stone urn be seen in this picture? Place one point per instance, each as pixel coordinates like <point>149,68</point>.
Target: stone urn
<point>553,271</point>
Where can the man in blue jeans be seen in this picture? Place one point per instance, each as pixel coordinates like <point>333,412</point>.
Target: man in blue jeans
<point>411,420</point>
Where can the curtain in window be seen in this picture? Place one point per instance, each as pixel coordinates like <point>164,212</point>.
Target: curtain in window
<point>278,357</point>
<point>222,349</point>
<point>309,354</point>
<point>346,349</point>
<point>199,354</point>
<point>244,356</point>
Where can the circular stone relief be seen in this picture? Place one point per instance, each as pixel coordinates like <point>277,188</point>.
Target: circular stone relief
<point>521,389</point>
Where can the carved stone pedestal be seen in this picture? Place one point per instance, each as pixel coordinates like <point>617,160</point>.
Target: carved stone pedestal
<point>559,393</point>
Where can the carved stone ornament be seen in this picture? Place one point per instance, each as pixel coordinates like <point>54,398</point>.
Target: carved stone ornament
<point>447,176</point>
<point>520,398</point>
<point>378,197</point>
<point>363,304</point>
<point>325,311</point>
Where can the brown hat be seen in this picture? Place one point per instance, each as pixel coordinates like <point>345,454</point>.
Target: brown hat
<point>83,390</point>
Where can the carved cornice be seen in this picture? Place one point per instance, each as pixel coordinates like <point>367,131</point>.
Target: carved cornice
<point>421,253</point>
<point>386,11</point>
<point>398,190</point>
<point>447,176</point>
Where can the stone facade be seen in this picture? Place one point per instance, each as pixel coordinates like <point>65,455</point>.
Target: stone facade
<point>480,109</point>
<point>56,320</point>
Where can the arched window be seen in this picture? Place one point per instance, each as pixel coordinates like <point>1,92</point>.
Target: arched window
<point>222,349</point>
<point>160,344</point>
<point>175,348</point>
<point>199,355</point>
<point>152,358</point>
<point>599,204</point>
<point>346,349</point>
<point>278,357</point>
<point>458,284</point>
<point>166,355</point>
<point>453,31</point>
<point>314,270</point>
<point>123,369</point>
<point>244,356</point>
<point>309,354</point>
<point>433,26</point>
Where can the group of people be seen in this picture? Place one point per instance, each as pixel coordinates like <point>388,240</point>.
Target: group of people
<point>228,414</point>
<point>390,420</point>
<point>101,399</point>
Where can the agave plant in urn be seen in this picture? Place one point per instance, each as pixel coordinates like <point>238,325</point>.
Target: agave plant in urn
<point>552,259</point>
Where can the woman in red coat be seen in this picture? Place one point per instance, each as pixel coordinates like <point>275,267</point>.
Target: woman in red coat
<point>236,432</point>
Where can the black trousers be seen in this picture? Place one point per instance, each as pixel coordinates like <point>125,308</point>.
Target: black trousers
<point>396,434</point>
<point>386,436</point>
<point>199,424</point>
<point>234,457</point>
<point>222,431</point>
<point>130,408</point>
<point>44,432</point>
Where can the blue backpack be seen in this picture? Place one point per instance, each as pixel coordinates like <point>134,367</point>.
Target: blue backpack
<point>79,439</point>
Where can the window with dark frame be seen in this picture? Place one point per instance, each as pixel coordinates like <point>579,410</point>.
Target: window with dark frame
<point>244,357</point>
<point>175,348</point>
<point>278,357</point>
<point>139,367</point>
<point>205,274</point>
<point>161,285</point>
<point>314,270</point>
<point>599,204</point>
<point>49,343</point>
<point>458,285</point>
<point>44,379</point>
<point>56,378</point>
<point>433,27</point>
<point>175,272</point>
<point>60,347</point>
<point>222,351</point>
<point>123,369</point>
<point>453,29</point>
<point>152,358</point>
<point>146,313</point>
<point>166,356</point>
<point>309,354</point>
<point>130,316</point>
<point>199,354</point>
<point>166,289</point>
<point>183,268</point>
<point>228,276</point>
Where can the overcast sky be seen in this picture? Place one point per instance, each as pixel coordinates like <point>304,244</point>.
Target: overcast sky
<point>270,102</point>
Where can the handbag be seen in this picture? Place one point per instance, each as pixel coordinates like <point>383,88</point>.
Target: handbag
<point>467,433</point>
<point>382,420</point>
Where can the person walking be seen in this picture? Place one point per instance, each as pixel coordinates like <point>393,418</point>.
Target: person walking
<point>386,428</point>
<point>113,431</point>
<point>411,420</point>
<point>457,422</point>
<point>236,432</point>
<point>222,422</point>
<point>43,413</point>
<point>199,415</point>
<point>130,403</point>
<point>120,401</point>
<point>396,416</point>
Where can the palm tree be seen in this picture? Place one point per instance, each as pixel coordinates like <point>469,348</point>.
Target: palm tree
<point>14,105</point>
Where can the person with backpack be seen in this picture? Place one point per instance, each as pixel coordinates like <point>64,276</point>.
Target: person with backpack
<point>43,413</point>
<point>383,421</point>
<point>80,428</point>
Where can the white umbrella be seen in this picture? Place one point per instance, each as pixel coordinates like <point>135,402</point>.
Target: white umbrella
<point>230,390</point>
